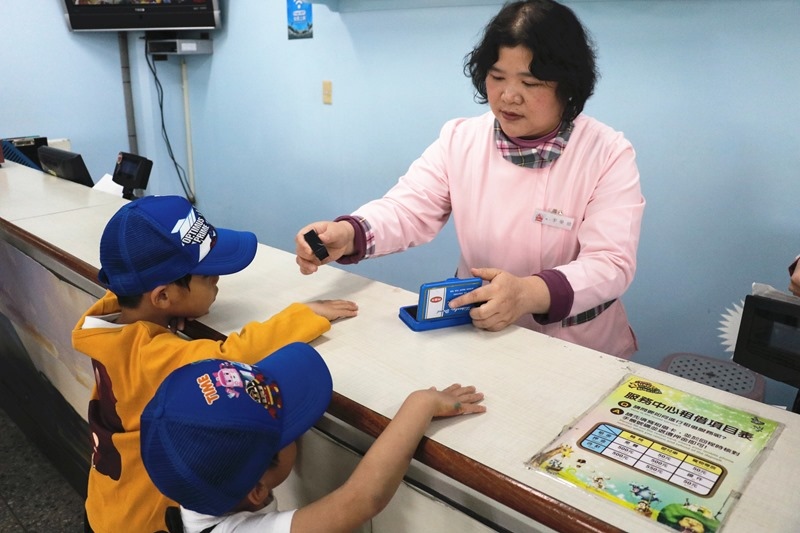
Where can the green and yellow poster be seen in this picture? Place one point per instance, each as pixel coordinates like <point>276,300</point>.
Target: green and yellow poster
<point>667,455</point>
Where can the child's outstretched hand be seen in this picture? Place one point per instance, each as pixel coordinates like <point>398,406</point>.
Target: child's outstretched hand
<point>333,309</point>
<point>457,400</point>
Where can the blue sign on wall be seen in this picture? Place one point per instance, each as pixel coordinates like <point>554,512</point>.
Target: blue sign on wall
<point>299,16</point>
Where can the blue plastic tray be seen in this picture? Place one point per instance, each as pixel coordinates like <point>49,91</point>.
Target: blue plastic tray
<point>432,311</point>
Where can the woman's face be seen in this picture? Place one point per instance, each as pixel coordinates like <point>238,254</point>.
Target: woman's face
<point>524,105</point>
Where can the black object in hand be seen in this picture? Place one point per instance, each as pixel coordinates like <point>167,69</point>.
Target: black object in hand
<point>316,245</point>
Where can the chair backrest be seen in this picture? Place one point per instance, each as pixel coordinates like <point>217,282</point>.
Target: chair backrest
<point>718,373</point>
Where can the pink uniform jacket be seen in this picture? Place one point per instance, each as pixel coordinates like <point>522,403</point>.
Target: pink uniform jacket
<point>595,182</point>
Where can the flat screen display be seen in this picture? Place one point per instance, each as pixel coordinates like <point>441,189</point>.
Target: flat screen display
<point>64,164</point>
<point>784,337</point>
<point>132,15</point>
<point>769,339</point>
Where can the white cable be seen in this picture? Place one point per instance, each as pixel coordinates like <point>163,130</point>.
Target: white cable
<point>188,126</point>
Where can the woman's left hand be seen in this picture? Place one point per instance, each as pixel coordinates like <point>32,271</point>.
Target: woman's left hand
<point>505,298</point>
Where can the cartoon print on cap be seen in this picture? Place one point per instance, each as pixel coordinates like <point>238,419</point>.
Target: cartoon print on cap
<point>232,376</point>
<point>267,394</point>
<point>229,378</point>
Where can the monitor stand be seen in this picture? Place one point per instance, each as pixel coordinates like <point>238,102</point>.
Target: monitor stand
<point>129,193</point>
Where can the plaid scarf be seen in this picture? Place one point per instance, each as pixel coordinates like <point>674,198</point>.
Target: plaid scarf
<point>538,157</point>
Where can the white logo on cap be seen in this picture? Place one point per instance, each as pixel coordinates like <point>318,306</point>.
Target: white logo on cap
<point>195,230</point>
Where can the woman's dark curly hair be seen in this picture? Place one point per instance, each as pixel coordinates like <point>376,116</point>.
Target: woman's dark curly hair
<point>562,50</point>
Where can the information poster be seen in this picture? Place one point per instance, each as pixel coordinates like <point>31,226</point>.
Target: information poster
<point>299,15</point>
<point>672,457</point>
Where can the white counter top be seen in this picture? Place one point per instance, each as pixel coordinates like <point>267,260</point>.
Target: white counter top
<point>534,385</point>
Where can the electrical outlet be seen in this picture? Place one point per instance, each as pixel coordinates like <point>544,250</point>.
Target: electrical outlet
<point>327,92</point>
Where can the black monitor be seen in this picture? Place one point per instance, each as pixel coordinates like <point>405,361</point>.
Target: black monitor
<point>28,146</point>
<point>12,153</point>
<point>769,339</point>
<point>64,164</point>
<point>128,15</point>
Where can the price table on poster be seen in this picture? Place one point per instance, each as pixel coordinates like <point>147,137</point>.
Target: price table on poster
<point>674,466</point>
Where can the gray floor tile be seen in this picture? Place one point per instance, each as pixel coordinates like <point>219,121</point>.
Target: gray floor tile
<point>9,522</point>
<point>35,497</point>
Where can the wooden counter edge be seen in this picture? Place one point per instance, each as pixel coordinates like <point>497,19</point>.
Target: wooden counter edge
<point>505,490</point>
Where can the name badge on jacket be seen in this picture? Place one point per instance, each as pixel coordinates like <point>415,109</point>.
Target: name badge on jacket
<point>554,218</point>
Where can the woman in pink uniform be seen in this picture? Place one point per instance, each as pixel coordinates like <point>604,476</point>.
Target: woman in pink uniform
<point>545,200</point>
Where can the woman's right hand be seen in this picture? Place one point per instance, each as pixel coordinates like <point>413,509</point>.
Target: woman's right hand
<point>337,238</point>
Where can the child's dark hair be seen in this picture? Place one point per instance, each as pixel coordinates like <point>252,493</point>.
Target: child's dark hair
<point>562,50</point>
<point>133,301</point>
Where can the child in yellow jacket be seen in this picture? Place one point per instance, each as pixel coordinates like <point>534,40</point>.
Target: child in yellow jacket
<point>161,261</point>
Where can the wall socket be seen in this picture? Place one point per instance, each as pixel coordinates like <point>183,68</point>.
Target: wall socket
<point>327,92</point>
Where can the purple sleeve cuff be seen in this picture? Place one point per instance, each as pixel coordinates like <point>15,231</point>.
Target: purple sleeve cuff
<point>359,241</point>
<point>561,297</point>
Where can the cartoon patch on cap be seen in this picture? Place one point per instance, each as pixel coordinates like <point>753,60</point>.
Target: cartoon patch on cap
<point>267,394</point>
<point>229,378</point>
<point>235,377</point>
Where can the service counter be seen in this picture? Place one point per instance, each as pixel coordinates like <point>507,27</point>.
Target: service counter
<point>469,473</point>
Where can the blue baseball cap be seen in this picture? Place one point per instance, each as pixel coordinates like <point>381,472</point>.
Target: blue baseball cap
<point>213,427</point>
<point>156,240</point>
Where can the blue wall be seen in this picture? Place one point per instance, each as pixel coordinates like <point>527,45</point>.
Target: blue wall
<point>706,91</point>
